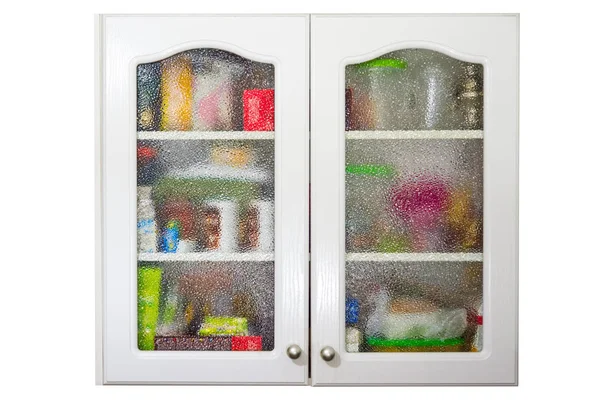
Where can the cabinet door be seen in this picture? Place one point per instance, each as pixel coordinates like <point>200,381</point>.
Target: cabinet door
<point>414,199</point>
<point>204,185</point>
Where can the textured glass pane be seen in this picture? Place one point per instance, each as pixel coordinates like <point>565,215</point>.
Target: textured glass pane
<point>414,89</point>
<point>414,203</point>
<point>205,90</point>
<point>205,209</point>
<point>412,306</point>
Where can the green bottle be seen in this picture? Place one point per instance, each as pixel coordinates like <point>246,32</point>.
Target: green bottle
<point>149,279</point>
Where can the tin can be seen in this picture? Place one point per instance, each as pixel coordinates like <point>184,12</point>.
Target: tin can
<point>218,226</point>
<point>257,229</point>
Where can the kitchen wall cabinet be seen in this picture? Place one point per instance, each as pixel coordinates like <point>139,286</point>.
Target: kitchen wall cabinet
<point>203,191</point>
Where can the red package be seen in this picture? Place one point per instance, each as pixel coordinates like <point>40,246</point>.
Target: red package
<point>246,343</point>
<point>259,110</point>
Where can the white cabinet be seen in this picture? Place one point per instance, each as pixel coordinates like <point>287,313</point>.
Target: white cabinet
<point>204,213</point>
<point>212,113</point>
<point>414,199</point>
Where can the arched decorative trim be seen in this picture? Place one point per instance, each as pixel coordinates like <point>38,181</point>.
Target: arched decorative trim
<point>426,45</point>
<point>202,44</point>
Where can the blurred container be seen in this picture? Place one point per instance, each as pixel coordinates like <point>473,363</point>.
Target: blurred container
<point>176,90</point>
<point>257,228</point>
<point>381,95</point>
<point>366,186</point>
<point>219,226</point>
<point>416,345</point>
<point>148,165</point>
<point>259,110</point>
<point>148,96</point>
<point>148,292</point>
<point>180,209</point>
<point>470,97</point>
<point>170,236</point>
<point>435,83</point>
<point>233,155</point>
<point>147,231</point>
<point>217,89</point>
<point>210,343</point>
<point>246,343</point>
<point>421,202</point>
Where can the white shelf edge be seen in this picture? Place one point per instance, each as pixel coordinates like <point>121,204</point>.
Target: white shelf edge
<point>213,135</point>
<point>382,257</point>
<point>475,134</point>
<point>206,256</point>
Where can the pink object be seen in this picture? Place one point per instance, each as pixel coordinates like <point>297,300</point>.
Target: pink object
<point>259,110</point>
<point>420,202</point>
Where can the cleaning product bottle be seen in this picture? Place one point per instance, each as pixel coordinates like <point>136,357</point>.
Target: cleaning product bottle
<point>353,334</point>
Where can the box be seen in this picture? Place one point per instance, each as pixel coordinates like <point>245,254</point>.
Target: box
<point>246,343</point>
<point>259,110</point>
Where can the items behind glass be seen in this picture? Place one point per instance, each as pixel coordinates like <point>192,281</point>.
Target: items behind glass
<point>219,307</point>
<point>224,204</point>
<point>390,214</point>
<point>414,89</point>
<point>413,308</point>
<point>205,90</point>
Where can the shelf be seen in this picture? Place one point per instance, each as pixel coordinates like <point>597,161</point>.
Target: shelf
<point>206,256</point>
<point>385,257</point>
<point>382,135</point>
<point>213,135</point>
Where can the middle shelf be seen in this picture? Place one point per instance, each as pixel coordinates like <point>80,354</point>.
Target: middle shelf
<point>206,135</point>
<point>386,257</point>
<point>437,134</point>
<point>206,256</point>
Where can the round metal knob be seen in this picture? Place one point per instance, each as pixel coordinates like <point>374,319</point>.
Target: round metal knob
<point>294,351</point>
<point>327,353</point>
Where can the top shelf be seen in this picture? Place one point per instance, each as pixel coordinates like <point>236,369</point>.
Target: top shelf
<point>382,135</point>
<point>210,135</point>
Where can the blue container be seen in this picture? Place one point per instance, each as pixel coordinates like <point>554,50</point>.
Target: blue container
<point>170,237</point>
<point>352,311</point>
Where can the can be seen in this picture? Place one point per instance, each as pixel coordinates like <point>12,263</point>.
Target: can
<point>257,229</point>
<point>218,226</point>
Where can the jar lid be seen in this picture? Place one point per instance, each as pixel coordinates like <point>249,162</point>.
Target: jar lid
<point>384,63</point>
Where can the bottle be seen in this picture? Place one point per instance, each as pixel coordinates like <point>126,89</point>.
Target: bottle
<point>470,97</point>
<point>148,96</point>
<point>148,283</point>
<point>353,333</point>
<point>146,223</point>
<point>148,166</point>
<point>176,92</point>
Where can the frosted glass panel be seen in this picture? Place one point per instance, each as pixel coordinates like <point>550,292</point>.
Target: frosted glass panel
<point>206,203</point>
<point>414,203</point>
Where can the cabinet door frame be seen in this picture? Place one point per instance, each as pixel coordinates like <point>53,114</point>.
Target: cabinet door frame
<point>340,40</point>
<point>121,43</point>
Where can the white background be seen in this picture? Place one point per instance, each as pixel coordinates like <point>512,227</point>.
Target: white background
<point>47,200</point>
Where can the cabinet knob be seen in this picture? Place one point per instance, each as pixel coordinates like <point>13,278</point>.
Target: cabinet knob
<point>327,353</point>
<point>294,351</point>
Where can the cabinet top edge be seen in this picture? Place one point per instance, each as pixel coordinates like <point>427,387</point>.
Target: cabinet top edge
<point>325,15</point>
<point>194,15</point>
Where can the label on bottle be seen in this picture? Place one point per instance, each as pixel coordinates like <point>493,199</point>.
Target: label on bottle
<point>146,228</point>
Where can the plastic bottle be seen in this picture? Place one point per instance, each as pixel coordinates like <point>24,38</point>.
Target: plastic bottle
<point>353,334</point>
<point>146,223</point>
